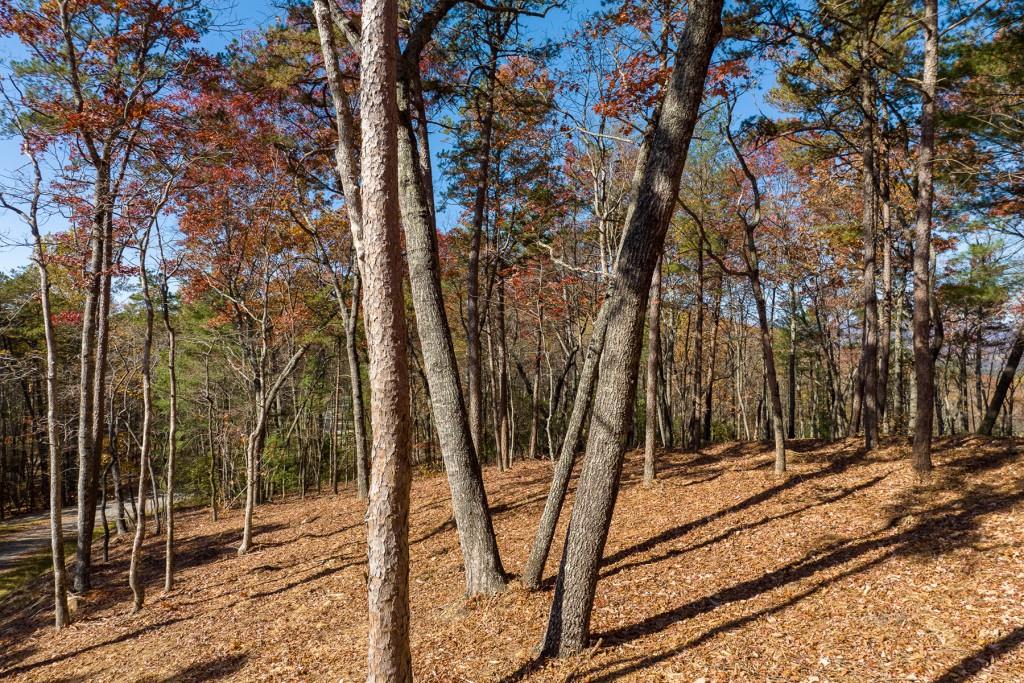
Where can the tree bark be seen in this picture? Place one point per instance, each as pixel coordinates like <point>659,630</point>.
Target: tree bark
<point>389,656</point>
<point>567,455</point>
<point>924,361</point>
<point>134,567</point>
<point>642,243</point>
<point>484,571</point>
<point>87,360</point>
<point>172,433</point>
<point>62,616</point>
<point>869,351</point>
<point>653,349</point>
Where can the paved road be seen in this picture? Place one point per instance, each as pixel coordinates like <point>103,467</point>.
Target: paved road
<point>31,535</point>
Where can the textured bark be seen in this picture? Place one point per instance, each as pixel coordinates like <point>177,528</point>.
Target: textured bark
<point>642,243</point>
<point>768,354</point>
<point>484,571</point>
<point>653,351</point>
<point>709,390</point>
<point>567,455</point>
<point>995,404</point>
<point>791,370</point>
<point>885,335</point>
<point>389,657</point>
<point>924,361</point>
<point>869,350</point>
<point>87,368</point>
<point>473,355</point>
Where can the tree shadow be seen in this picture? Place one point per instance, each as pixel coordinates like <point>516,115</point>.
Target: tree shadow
<point>943,529</point>
<point>676,552</point>
<point>917,526</point>
<point>204,671</point>
<point>982,658</point>
<point>836,466</point>
<point>25,668</point>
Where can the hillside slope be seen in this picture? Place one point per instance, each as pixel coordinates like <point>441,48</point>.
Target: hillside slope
<point>848,570</point>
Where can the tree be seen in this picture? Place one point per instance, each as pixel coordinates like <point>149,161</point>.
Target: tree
<point>390,473</point>
<point>924,362</point>
<point>649,215</point>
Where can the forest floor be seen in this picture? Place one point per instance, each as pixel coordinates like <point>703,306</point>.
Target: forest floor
<point>849,569</point>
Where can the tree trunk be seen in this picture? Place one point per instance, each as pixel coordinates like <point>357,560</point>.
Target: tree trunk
<point>87,360</point>
<point>924,362</point>
<point>642,243</point>
<point>791,370</point>
<point>653,349</point>
<point>696,426</point>
<point>172,436</point>
<point>484,571</point>
<point>473,353</point>
<point>869,351</point>
<point>134,567</point>
<point>388,512</point>
<point>62,616</point>
<point>567,455</point>
<point>356,391</point>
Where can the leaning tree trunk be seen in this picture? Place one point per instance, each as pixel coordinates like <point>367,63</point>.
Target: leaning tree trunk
<point>642,243</point>
<point>356,393</point>
<point>567,455</point>
<point>924,361</point>
<point>484,571</point>
<point>1003,384</point>
<point>257,438</point>
<point>768,354</point>
<point>390,473</point>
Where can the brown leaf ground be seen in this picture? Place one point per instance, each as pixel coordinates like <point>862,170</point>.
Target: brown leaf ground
<point>848,570</point>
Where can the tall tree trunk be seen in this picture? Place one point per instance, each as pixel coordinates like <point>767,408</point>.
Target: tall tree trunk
<point>869,351</point>
<point>135,565</point>
<point>535,393</point>
<point>791,370</point>
<point>653,350</point>
<point>62,616</point>
<point>473,352</point>
<point>390,472</point>
<point>696,426</point>
<point>642,243</point>
<point>87,369</point>
<point>484,571</point>
<point>172,434</point>
<point>709,390</point>
<point>255,441</point>
<point>356,393</point>
<point>885,335</point>
<point>924,362</point>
